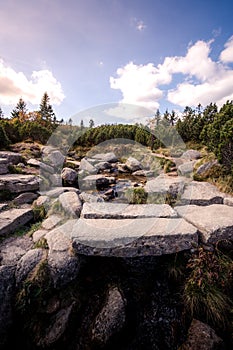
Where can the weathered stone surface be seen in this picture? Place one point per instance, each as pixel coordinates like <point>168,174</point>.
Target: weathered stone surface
<point>27,197</point>
<point>215,222</point>
<point>41,201</point>
<point>55,158</point>
<point>44,167</point>
<point>64,266</point>
<point>133,164</point>
<point>27,263</point>
<point>109,157</point>
<point>228,201</point>
<point>202,337</point>
<point>37,235</point>
<point>6,295</point>
<point>111,318</point>
<point>131,238</point>
<point>186,169</point>
<point>126,211</point>
<point>3,166</point>
<point>69,175</point>
<point>13,248</point>
<point>92,181</point>
<point>3,206</point>
<point>202,169</point>
<point>57,326</point>
<point>12,219</point>
<point>12,157</point>
<point>101,166</point>
<point>87,166</point>
<point>90,198</point>
<point>191,154</point>
<point>71,203</point>
<point>17,183</point>
<point>201,193</point>
<point>55,192</point>
<point>51,222</point>
<point>164,184</point>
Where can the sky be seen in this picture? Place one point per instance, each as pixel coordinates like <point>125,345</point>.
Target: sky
<point>85,53</point>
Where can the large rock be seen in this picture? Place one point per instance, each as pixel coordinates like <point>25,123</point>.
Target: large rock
<point>92,182</point>
<point>12,219</point>
<point>38,164</point>
<point>133,164</point>
<point>191,154</point>
<point>11,157</point>
<point>63,264</point>
<point>109,157</point>
<point>71,203</point>
<point>164,184</point>
<point>214,222</point>
<point>69,175</point>
<point>13,248</point>
<point>125,211</point>
<point>132,238</point>
<point>23,198</point>
<point>55,159</point>
<point>201,193</point>
<point>86,166</point>
<point>111,318</point>
<point>3,166</point>
<point>186,169</point>
<point>16,183</point>
<point>202,337</point>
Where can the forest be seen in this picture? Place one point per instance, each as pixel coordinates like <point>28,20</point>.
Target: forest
<point>207,127</point>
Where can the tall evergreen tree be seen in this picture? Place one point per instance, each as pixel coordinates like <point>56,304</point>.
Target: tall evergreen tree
<point>1,113</point>
<point>20,110</point>
<point>46,109</point>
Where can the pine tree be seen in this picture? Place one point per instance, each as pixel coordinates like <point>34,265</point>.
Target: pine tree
<point>1,113</point>
<point>91,123</point>
<point>46,110</point>
<point>20,110</point>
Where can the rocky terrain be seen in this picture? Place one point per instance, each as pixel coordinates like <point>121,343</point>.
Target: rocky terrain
<point>86,245</point>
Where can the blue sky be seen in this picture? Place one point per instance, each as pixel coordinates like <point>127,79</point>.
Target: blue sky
<point>84,53</point>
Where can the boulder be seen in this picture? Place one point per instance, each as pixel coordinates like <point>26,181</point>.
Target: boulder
<point>132,237</point>
<point>16,183</point>
<point>23,198</point>
<point>69,175</point>
<point>191,154</point>
<point>186,169</point>
<point>92,182</point>
<point>38,164</point>
<point>202,337</point>
<point>214,222</point>
<point>125,211</point>
<point>11,157</point>
<point>86,166</point>
<point>71,203</point>
<point>3,166</point>
<point>13,248</point>
<point>50,222</point>
<point>201,193</point>
<point>12,219</point>
<point>133,164</point>
<point>164,184</point>
<point>55,158</point>
<point>109,157</point>
<point>204,168</point>
<point>111,318</point>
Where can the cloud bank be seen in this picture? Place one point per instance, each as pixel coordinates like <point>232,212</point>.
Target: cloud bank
<point>203,80</point>
<point>14,85</point>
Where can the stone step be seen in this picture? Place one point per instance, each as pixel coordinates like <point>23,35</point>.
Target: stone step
<point>202,193</point>
<point>132,238</point>
<point>214,222</point>
<point>126,211</point>
<point>17,183</point>
<point>12,219</point>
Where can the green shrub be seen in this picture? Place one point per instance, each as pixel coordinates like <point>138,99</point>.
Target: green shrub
<point>136,195</point>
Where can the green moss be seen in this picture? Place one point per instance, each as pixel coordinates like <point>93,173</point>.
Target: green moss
<point>136,195</point>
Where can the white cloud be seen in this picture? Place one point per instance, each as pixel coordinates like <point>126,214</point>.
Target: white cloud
<point>14,85</point>
<point>138,84</point>
<point>203,80</point>
<point>138,24</point>
<point>227,54</point>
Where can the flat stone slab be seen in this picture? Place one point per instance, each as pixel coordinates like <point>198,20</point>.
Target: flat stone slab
<point>16,183</point>
<point>126,211</point>
<point>133,238</point>
<point>202,193</point>
<point>214,222</point>
<point>12,219</point>
<point>164,184</point>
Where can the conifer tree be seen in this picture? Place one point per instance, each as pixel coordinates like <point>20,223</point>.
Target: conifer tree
<point>46,110</point>
<point>20,110</point>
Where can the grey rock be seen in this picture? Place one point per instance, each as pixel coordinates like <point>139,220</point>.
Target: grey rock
<point>38,164</point>
<point>133,164</point>
<point>11,157</point>
<point>39,234</point>
<point>69,175</point>
<point>27,197</point>
<point>201,193</point>
<point>191,154</point>
<point>87,166</point>
<point>27,264</point>
<point>202,169</point>
<point>3,166</point>
<point>186,169</point>
<point>202,336</point>
<point>50,222</point>
<point>55,159</point>
<point>3,206</point>
<point>214,222</point>
<point>125,211</point>
<point>55,180</point>
<point>71,203</point>
<point>41,201</point>
<point>12,219</point>
<point>132,238</point>
<point>164,184</point>
<point>13,248</point>
<point>17,183</point>
<point>55,192</point>
<point>228,201</point>
<point>109,157</point>
<point>111,318</point>
<point>63,264</point>
<point>91,182</point>
<point>90,198</point>
<point>101,166</point>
